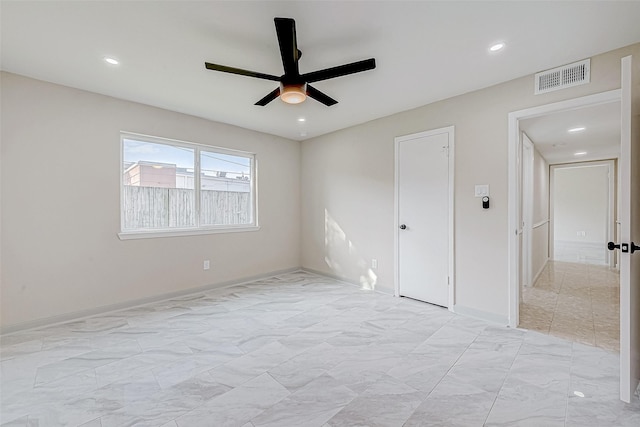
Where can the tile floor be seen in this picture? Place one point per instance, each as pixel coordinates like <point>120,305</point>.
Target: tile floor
<point>578,302</point>
<point>302,350</point>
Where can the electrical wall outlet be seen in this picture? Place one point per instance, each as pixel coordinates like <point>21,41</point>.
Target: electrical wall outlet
<point>206,264</point>
<point>374,263</point>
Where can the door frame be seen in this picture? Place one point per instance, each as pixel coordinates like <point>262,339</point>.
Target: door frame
<point>527,208</point>
<point>450,130</point>
<point>514,190</point>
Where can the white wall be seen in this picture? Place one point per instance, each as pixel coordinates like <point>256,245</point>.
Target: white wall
<point>61,207</point>
<point>348,186</point>
<point>540,239</point>
<point>580,204</point>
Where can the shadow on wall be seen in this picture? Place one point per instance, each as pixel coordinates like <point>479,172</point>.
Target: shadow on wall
<point>342,257</point>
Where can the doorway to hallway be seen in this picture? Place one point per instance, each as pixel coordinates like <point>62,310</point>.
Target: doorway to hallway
<point>572,289</point>
<point>576,295</point>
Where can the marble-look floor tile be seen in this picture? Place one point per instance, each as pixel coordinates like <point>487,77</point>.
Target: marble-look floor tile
<point>167,405</point>
<point>312,405</point>
<point>388,402</point>
<point>520,403</point>
<point>123,368</point>
<point>585,412</point>
<point>91,360</point>
<point>237,406</point>
<point>365,367</point>
<point>252,365</point>
<point>304,350</point>
<point>484,369</point>
<point>453,404</point>
<point>20,422</point>
<point>191,365</point>
<point>19,349</point>
<point>309,365</point>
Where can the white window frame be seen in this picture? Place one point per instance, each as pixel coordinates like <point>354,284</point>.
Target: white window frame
<point>197,229</point>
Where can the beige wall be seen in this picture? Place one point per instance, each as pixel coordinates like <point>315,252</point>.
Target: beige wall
<point>61,207</point>
<point>581,200</point>
<point>348,176</point>
<point>540,237</point>
<point>61,254</point>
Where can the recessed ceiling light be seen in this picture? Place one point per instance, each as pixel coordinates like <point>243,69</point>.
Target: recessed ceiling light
<point>578,129</point>
<point>302,119</point>
<point>578,393</point>
<point>579,153</point>
<point>496,47</point>
<point>111,61</point>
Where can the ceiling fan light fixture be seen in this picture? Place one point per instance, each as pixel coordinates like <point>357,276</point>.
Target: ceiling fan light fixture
<point>294,93</point>
<point>294,87</point>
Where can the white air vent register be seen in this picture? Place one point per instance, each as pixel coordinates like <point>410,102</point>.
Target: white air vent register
<point>569,75</point>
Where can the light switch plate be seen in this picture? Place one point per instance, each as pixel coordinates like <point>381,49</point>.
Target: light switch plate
<point>482,190</point>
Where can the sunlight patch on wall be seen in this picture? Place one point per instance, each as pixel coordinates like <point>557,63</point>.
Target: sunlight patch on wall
<point>342,257</point>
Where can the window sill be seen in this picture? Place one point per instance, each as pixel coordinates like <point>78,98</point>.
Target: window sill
<point>154,234</point>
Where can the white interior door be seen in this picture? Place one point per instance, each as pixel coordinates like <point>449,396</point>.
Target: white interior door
<point>423,210</point>
<point>630,230</point>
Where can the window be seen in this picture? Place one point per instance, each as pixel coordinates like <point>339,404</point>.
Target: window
<point>175,188</point>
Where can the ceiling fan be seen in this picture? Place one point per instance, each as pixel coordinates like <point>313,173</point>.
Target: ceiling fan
<point>294,87</point>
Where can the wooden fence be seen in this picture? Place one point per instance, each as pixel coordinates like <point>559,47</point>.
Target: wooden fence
<point>151,207</point>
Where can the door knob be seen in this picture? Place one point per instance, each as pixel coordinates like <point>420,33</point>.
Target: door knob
<point>624,247</point>
<point>404,227</point>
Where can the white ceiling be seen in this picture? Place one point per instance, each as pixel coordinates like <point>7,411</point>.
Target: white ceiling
<point>600,139</point>
<point>425,51</point>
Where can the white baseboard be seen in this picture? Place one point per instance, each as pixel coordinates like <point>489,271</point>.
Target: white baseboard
<point>83,314</point>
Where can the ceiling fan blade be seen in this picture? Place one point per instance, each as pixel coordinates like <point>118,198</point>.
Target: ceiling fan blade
<point>320,97</point>
<point>340,70</point>
<point>232,70</point>
<point>286,30</point>
<point>267,99</point>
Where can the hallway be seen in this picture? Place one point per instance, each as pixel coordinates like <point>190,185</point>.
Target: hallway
<point>578,302</point>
